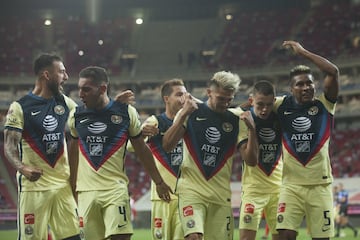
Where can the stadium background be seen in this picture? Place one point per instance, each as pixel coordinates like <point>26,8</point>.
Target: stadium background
<point>188,39</point>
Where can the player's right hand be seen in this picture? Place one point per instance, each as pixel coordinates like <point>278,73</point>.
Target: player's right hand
<point>31,173</point>
<point>190,104</point>
<point>163,191</point>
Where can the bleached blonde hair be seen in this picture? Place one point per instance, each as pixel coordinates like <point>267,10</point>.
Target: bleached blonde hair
<point>226,80</point>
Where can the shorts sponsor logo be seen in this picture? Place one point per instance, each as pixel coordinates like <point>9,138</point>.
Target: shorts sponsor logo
<point>29,230</point>
<point>247,219</point>
<point>249,208</point>
<point>281,207</point>
<point>190,223</point>
<point>280,218</point>
<point>188,211</point>
<point>157,222</point>
<point>81,222</point>
<point>29,218</point>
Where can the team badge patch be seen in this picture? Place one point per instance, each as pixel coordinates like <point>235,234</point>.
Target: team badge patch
<point>280,218</point>
<point>158,234</point>
<point>116,119</point>
<point>188,211</point>
<point>247,219</point>
<point>59,110</point>
<point>190,223</point>
<point>227,127</point>
<point>313,110</point>
<point>29,230</point>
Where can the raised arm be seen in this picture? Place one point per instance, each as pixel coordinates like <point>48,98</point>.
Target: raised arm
<point>12,140</point>
<point>177,130</point>
<point>143,152</point>
<point>249,151</point>
<point>331,82</point>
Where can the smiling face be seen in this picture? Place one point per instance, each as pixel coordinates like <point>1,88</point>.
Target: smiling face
<point>175,100</point>
<point>303,88</point>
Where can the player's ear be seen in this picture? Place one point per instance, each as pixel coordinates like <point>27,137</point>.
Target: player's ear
<point>103,88</point>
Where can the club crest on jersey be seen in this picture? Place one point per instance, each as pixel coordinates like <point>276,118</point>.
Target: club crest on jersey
<point>227,127</point>
<point>190,223</point>
<point>247,219</point>
<point>313,110</point>
<point>29,230</point>
<point>116,119</point>
<point>158,234</point>
<point>59,109</point>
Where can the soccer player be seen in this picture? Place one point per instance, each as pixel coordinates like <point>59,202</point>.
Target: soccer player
<point>343,218</point>
<point>211,134</point>
<point>306,123</point>
<point>165,222</point>
<point>261,184</point>
<point>103,128</point>
<point>35,145</point>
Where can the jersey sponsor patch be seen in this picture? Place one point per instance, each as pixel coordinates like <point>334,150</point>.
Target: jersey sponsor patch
<point>29,218</point>
<point>188,211</point>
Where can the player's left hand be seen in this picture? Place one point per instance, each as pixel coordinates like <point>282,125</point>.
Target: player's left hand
<point>126,96</point>
<point>163,191</point>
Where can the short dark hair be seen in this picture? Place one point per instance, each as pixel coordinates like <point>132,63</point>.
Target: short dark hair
<point>45,60</point>
<point>97,74</point>
<point>264,87</point>
<point>300,69</point>
<point>166,87</point>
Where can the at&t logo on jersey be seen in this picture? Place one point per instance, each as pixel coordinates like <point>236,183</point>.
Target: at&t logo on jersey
<point>303,138</point>
<point>96,142</point>
<point>212,135</point>
<point>50,123</point>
